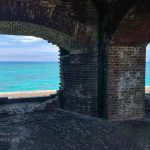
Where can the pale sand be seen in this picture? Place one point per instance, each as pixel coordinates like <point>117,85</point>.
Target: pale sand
<point>40,93</point>
<point>147,89</point>
<point>28,94</point>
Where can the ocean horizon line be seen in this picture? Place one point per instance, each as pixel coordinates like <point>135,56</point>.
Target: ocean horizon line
<point>35,61</point>
<point>32,61</point>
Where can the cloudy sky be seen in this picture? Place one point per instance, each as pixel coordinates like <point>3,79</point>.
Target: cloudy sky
<point>29,48</point>
<point>26,48</point>
<point>148,53</point>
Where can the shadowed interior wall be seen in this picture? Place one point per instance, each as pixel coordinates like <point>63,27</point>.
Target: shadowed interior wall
<point>79,82</point>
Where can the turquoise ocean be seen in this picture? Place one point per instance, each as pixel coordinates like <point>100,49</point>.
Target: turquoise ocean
<point>31,76</point>
<point>147,74</point>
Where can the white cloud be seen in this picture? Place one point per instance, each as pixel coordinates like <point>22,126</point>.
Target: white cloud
<point>21,47</point>
<point>48,48</point>
<point>41,49</point>
<point>25,39</point>
<point>28,39</point>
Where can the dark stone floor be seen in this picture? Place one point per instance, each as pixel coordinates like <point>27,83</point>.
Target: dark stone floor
<point>60,130</point>
<point>138,131</point>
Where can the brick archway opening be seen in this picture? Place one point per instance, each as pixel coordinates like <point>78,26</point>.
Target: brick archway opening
<point>126,57</point>
<point>62,40</point>
<point>72,26</point>
<point>28,65</point>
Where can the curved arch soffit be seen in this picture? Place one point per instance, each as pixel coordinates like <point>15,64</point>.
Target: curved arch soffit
<point>30,29</point>
<point>133,29</point>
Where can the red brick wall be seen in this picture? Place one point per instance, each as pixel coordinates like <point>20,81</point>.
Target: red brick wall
<point>126,64</point>
<point>125,82</point>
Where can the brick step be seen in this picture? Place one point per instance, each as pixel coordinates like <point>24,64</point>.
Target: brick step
<point>6,100</point>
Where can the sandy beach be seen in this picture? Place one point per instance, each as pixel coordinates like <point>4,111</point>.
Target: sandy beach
<point>39,93</point>
<point>147,89</point>
<point>28,94</point>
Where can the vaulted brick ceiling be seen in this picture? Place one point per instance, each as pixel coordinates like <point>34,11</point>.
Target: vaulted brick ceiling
<point>134,29</point>
<point>72,24</point>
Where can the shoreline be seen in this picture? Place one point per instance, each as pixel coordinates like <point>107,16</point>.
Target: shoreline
<point>39,93</point>
<point>25,94</point>
<point>147,89</point>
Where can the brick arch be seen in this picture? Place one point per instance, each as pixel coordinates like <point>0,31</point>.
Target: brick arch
<point>134,28</point>
<point>71,25</point>
<point>126,64</point>
<point>70,18</point>
<point>29,29</point>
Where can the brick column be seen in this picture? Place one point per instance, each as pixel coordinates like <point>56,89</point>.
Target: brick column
<point>125,82</point>
<point>79,82</point>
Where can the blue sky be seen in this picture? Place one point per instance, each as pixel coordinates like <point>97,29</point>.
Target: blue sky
<point>148,53</point>
<point>26,48</point>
